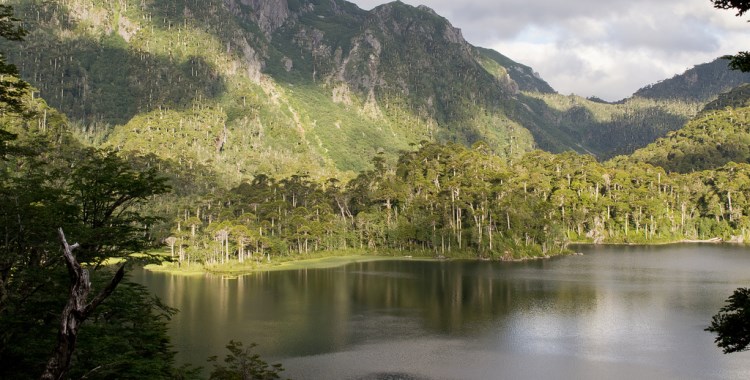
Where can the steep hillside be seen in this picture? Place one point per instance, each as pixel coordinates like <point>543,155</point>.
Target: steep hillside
<point>610,129</point>
<point>719,135</point>
<point>701,83</point>
<point>524,76</point>
<point>736,98</point>
<point>315,87</point>
<point>606,130</point>
<point>710,141</point>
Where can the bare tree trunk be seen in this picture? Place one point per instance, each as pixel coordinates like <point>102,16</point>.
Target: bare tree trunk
<point>76,311</point>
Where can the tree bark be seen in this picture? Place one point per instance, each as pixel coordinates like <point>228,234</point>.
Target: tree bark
<point>75,311</point>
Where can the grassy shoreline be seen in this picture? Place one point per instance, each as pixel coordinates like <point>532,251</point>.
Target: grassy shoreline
<point>333,259</point>
<point>318,260</point>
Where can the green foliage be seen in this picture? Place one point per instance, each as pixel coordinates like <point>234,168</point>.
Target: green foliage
<point>318,87</point>
<point>126,337</point>
<point>9,28</point>
<point>243,364</point>
<point>48,180</point>
<point>524,76</point>
<point>731,324</point>
<point>12,88</point>
<point>710,141</point>
<point>738,97</point>
<point>454,201</point>
<point>76,73</point>
<point>605,129</point>
<point>700,84</point>
<point>739,61</point>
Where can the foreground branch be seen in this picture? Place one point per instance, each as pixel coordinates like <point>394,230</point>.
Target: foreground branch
<point>76,310</point>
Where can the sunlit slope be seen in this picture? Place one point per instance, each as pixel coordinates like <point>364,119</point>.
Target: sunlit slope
<point>314,87</point>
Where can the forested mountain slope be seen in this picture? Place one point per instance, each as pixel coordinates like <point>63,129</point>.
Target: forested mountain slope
<point>720,134</point>
<point>736,98</point>
<point>303,86</point>
<point>710,141</point>
<point>701,83</point>
<point>610,129</point>
<point>265,86</point>
<point>606,129</point>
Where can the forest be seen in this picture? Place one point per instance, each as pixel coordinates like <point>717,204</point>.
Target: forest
<point>453,201</point>
<point>438,200</point>
<point>126,206</point>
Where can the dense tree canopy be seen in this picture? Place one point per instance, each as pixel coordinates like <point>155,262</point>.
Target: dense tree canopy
<point>48,180</point>
<point>11,86</point>
<point>453,201</point>
<point>445,200</point>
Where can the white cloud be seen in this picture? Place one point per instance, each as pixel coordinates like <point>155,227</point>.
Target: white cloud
<point>592,47</point>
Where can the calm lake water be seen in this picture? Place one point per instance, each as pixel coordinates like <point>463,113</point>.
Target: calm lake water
<point>614,313</point>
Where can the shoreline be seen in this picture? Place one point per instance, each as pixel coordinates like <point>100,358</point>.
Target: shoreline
<point>234,269</point>
<point>716,240</point>
<point>342,258</point>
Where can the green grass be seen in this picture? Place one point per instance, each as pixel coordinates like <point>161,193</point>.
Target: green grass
<point>323,260</point>
<point>318,260</point>
<point>193,269</point>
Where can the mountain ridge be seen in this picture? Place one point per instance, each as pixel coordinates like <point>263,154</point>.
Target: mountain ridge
<point>701,83</point>
<point>300,86</point>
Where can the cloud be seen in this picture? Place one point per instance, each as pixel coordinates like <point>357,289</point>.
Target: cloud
<point>592,47</point>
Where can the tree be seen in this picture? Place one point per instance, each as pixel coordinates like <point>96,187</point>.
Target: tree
<point>740,61</point>
<point>742,6</point>
<point>49,182</point>
<point>242,364</point>
<point>732,323</point>
<point>11,86</point>
<point>76,311</point>
<point>171,241</point>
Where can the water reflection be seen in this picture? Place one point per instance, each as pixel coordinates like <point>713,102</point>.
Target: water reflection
<point>618,312</point>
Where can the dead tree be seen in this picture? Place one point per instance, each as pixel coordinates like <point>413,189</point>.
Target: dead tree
<point>76,310</point>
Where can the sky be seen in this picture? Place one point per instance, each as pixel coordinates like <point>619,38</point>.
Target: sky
<point>607,49</point>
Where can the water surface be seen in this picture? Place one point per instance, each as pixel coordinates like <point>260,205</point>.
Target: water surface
<point>614,313</point>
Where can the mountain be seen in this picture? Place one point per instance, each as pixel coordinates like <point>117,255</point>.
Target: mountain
<point>524,76</point>
<point>611,129</point>
<point>701,83</point>
<point>736,98</point>
<point>713,139</point>
<point>314,87</point>
<point>280,87</point>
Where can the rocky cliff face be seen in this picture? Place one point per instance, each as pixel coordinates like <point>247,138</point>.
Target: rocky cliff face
<point>269,14</point>
<point>393,51</point>
<point>314,79</point>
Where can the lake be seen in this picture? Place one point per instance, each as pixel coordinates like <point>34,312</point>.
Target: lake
<point>617,312</point>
